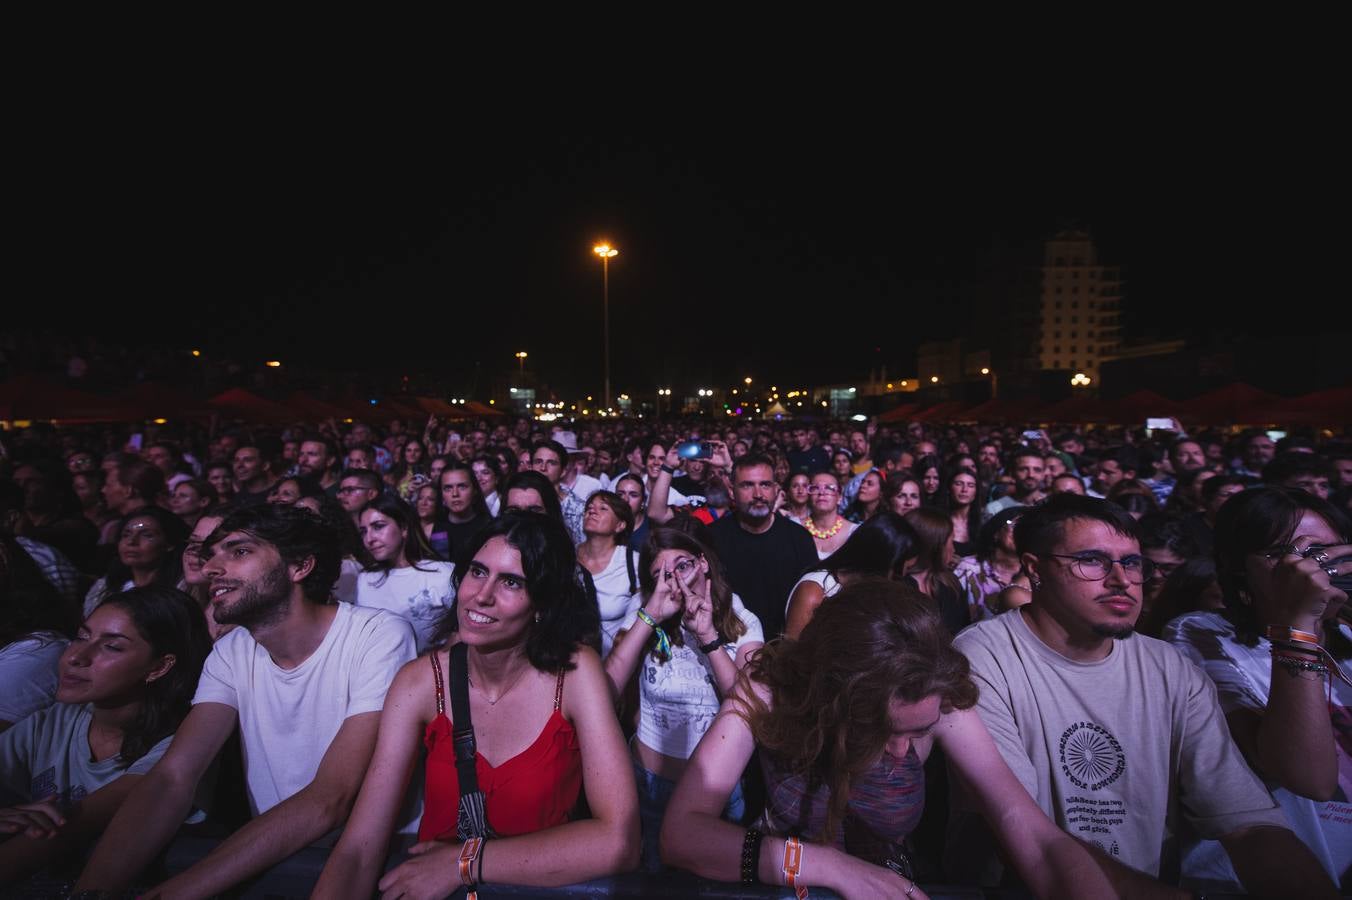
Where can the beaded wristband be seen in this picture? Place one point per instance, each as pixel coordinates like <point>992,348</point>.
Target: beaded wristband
<point>1294,665</point>
<point>751,845</point>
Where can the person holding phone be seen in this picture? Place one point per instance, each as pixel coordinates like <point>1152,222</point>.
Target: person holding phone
<point>691,637</point>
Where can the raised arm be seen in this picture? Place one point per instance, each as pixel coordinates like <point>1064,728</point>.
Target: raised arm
<point>150,816</point>
<point>355,864</point>
<point>299,820</point>
<point>658,510</point>
<point>631,643</point>
<point>605,844</point>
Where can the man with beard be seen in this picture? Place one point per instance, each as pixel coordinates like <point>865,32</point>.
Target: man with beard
<point>254,478</point>
<point>317,460</point>
<point>1119,739</point>
<point>304,680</point>
<point>1030,474</point>
<point>763,554</point>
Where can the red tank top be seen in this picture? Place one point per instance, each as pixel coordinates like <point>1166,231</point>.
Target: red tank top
<point>532,791</point>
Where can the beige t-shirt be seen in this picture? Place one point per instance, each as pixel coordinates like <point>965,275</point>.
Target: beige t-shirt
<point>1113,751</point>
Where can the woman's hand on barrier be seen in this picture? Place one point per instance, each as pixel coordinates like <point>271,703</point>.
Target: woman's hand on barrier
<point>432,872</point>
<point>40,819</point>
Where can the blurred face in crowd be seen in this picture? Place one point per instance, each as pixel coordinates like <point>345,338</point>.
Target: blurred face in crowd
<point>192,550</point>
<point>547,463</point>
<point>143,544</point>
<point>754,491</point>
<point>1067,484</point>
<point>248,465</point>
<point>907,498</point>
<point>285,492</point>
<point>1344,469</point>
<point>185,502</point>
<point>871,488</point>
<point>457,493</point>
<point>824,491</point>
<point>963,489</point>
<point>1187,456</point>
<point>483,473</point>
<point>1223,494</point>
<point>1029,473</point>
<point>526,500</point>
<point>1310,483</point>
<point>798,489</point>
<point>221,478</point>
<point>312,459</point>
<point>858,444</point>
<point>657,456</point>
<point>87,488</point>
<point>1258,452</point>
<point>353,494</point>
<point>81,462</point>
<point>1054,466</point>
<point>360,459</point>
<point>1110,472</point>
<point>160,458</point>
<point>631,492</point>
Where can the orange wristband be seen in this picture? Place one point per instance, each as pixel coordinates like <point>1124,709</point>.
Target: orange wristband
<point>468,853</point>
<point>793,866</point>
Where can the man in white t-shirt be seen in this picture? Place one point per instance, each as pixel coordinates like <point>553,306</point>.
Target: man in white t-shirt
<point>305,681</point>
<point>1118,738</point>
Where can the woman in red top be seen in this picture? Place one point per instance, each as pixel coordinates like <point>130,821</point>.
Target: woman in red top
<point>543,725</point>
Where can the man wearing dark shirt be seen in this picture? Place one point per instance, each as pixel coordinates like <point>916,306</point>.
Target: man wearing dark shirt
<point>808,457</point>
<point>762,553</point>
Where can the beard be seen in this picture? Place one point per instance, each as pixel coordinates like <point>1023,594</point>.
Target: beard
<point>756,513</point>
<point>259,603</point>
<point>1116,632</point>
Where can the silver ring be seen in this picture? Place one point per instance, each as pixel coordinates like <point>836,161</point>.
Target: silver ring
<point>1321,557</point>
<point>910,890</point>
<point>1330,571</point>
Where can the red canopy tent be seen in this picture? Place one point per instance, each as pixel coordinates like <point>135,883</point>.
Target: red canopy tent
<point>1136,407</point>
<point>151,400</point>
<point>997,410</point>
<point>251,407</point>
<point>314,408</point>
<point>33,397</point>
<point>474,407</point>
<point>1230,405</point>
<point>1074,409</point>
<point>899,413</point>
<point>940,412</point>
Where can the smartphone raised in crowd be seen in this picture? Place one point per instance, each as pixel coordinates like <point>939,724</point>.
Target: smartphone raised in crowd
<point>695,450</point>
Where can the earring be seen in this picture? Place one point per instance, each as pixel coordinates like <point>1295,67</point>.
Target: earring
<point>537,618</point>
<point>1035,582</point>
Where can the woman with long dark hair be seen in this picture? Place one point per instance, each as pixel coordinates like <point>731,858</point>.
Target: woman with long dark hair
<point>795,504</point>
<point>632,490</point>
<point>432,519</point>
<point>691,636</point>
<point>1279,659</point>
<point>404,577</point>
<point>993,579</point>
<point>843,719</point>
<point>127,680</point>
<point>880,548</point>
<point>869,501</point>
<point>932,569</point>
<point>928,470</point>
<point>149,551</point>
<point>543,724</point>
<point>961,491</point>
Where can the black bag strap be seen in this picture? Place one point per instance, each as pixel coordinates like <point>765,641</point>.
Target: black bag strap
<point>462,729</point>
<point>629,564</point>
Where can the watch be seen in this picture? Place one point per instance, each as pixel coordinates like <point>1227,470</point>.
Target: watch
<point>713,645</point>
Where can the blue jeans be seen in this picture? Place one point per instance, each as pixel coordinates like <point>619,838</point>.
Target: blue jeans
<point>654,792</point>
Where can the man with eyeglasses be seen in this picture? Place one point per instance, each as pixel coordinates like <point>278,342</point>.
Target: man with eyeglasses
<point>763,554</point>
<point>1120,739</point>
<point>357,488</point>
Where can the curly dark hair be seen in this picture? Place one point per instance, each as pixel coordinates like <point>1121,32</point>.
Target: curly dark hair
<point>568,615</point>
<point>832,689</point>
<point>298,535</point>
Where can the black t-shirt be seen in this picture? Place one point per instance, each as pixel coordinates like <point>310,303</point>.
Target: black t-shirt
<point>688,486</point>
<point>810,461</point>
<point>257,498</point>
<point>763,568</point>
<point>459,534</point>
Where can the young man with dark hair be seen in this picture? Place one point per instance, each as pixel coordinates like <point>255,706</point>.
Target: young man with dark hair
<point>763,554</point>
<point>317,460</point>
<point>1299,469</point>
<point>254,478</point>
<point>302,678</point>
<point>358,487</point>
<point>1030,477</point>
<point>1119,739</point>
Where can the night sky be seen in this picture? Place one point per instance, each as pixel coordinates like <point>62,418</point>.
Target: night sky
<point>807,247</point>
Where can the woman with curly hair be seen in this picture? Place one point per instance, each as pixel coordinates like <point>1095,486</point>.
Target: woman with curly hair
<point>843,719</point>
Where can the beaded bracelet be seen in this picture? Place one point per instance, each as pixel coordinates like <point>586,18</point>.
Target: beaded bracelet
<point>1295,664</point>
<point>751,845</point>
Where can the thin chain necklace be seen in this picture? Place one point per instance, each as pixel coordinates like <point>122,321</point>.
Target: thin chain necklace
<point>493,701</point>
<point>827,533</point>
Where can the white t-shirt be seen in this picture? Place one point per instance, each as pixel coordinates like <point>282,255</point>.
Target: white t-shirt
<point>613,596</point>
<point>677,700</point>
<point>822,579</point>
<point>584,486</point>
<point>95,596</point>
<point>420,595</point>
<point>345,588</point>
<point>288,717</point>
<point>1243,679</point>
<point>48,753</point>
<point>1116,752</point>
<point>494,503</point>
<point>28,674</point>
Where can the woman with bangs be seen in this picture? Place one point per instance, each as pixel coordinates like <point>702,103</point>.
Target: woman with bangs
<point>691,637</point>
<point>842,720</point>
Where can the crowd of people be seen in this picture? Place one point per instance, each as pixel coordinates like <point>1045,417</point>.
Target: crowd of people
<point>1102,662</point>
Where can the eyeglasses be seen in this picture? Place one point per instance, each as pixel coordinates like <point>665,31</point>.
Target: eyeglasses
<point>683,568</point>
<point>1096,566</point>
<point>823,489</point>
<point>349,489</point>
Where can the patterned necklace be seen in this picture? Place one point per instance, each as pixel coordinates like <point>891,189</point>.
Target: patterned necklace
<point>828,533</point>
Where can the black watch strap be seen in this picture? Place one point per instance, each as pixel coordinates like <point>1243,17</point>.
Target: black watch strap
<point>713,645</point>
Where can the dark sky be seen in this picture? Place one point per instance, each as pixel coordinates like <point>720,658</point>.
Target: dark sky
<point>794,248</point>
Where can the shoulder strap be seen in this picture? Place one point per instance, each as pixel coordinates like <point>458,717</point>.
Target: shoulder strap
<point>462,730</point>
<point>441,691</point>
<point>589,585</point>
<point>629,564</point>
<point>558,692</point>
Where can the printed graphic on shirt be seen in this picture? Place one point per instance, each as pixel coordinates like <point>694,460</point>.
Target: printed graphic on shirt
<point>44,785</point>
<point>1091,758</point>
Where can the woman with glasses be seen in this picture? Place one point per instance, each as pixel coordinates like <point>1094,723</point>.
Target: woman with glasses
<point>691,637</point>
<point>829,529</point>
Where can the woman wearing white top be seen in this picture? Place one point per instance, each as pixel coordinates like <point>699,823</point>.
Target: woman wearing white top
<point>607,557</point>
<point>406,578</point>
<point>691,637</point>
<point>881,547</point>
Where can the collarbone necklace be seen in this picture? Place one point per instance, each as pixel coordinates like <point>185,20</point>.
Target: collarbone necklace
<point>493,701</point>
<point>824,533</point>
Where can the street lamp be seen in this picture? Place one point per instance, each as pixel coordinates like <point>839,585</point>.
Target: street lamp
<point>605,251</point>
<point>521,366</point>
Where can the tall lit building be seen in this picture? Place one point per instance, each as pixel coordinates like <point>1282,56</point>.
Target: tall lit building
<point>1081,306</point>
